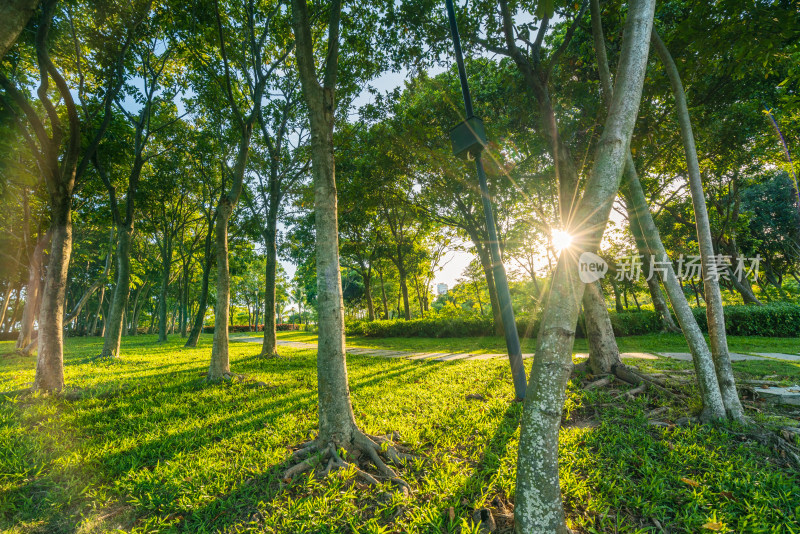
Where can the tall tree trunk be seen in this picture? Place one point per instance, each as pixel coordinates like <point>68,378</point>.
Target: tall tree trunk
<point>711,271</point>
<point>220,362</point>
<point>336,420</point>
<point>32,292</point>
<point>119,299</point>
<point>713,407</point>
<point>269,348</point>
<point>642,224</point>
<point>538,506</point>
<point>50,359</point>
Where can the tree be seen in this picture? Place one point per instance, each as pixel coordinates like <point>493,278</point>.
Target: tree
<point>337,425</point>
<point>285,165</point>
<point>153,56</point>
<point>245,78</point>
<point>63,160</point>
<point>538,506</point>
<point>714,312</point>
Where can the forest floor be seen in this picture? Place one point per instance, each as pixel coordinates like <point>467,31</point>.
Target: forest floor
<point>144,444</point>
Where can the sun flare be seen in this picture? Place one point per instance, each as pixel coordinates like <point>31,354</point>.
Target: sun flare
<point>560,240</point>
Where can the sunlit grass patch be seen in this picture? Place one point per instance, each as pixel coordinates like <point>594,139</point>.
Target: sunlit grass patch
<point>144,444</point>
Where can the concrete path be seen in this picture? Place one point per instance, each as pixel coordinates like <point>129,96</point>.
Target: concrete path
<point>458,356</point>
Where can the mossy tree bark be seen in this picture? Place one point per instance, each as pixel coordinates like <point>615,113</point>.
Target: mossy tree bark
<point>711,270</point>
<point>538,506</point>
<point>642,225</point>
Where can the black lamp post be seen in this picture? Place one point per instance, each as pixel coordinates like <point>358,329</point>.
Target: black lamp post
<point>469,139</point>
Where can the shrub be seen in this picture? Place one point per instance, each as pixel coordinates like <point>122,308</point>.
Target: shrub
<point>635,323</point>
<point>774,320</point>
<point>778,319</point>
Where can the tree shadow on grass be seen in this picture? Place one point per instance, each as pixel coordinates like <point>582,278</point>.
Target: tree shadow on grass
<point>106,425</point>
<point>238,505</point>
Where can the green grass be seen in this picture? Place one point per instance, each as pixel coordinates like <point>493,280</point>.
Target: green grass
<point>645,343</point>
<point>143,444</point>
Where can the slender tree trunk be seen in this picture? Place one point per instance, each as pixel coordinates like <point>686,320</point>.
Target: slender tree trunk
<point>100,300</point>
<point>269,348</point>
<point>538,507</point>
<point>713,296</point>
<point>220,362</point>
<point>383,296</point>
<point>603,350</point>
<point>404,288</point>
<point>6,301</point>
<point>50,359</point>
<point>15,314</point>
<point>659,302</point>
<point>114,321</point>
<point>635,300</point>
<point>744,287</point>
<point>713,407</point>
<point>640,216</point>
<point>32,292</point>
<point>419,295</point>
<point>137,311</point>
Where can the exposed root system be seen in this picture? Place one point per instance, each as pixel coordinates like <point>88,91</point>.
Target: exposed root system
<point>326,457</point>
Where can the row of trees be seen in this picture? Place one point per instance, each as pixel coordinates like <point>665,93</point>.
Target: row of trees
<point>157,157</point>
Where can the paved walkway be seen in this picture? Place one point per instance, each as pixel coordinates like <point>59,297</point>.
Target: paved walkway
<point>458,356</point>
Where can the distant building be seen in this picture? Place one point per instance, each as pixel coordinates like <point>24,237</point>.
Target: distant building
<point>441,289</point>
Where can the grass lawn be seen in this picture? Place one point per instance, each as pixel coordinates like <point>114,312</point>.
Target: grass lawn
<point>143,444</point>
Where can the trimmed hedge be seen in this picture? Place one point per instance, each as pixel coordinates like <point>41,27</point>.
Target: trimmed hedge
<point>771,320</point>
<point>778,319</point>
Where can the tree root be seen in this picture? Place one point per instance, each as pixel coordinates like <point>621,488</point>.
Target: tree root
<point>28,349</point>
<point>773,440</point>
<point>325,458</point>
<point>635,378</point>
